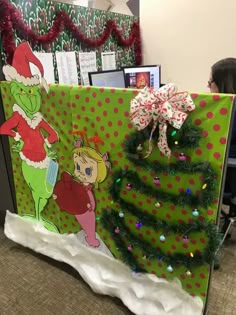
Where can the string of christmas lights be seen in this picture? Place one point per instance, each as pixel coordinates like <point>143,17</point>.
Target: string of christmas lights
<point>127,241</point>
<point>125,237</point>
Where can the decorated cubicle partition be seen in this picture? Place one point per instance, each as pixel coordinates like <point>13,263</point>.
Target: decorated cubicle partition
<point>152,208</point>
<point>53,27</point>
<point>123,186</point>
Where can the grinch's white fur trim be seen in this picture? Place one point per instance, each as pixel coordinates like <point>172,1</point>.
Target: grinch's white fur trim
<point>17,136</point>
<point>47,143</point>
<point>11,74</point>
<point>143,294</point>
<point>34,122</point>
<point>44,84</point>
<point>41,164</point>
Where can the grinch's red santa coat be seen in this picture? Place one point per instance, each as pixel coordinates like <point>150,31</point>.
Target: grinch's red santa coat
<point>29,131</point>
<point>20,126</point>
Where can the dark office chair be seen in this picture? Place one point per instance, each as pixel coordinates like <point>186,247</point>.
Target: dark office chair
<point>230,181</point>
<point>229,197</point>
<point>229,217</point>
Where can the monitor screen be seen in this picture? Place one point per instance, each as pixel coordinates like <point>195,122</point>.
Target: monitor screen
<point>112,78</point>
<point>138,77</point>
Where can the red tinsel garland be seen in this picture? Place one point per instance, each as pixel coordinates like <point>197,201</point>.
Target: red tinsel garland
<point>11,18</point>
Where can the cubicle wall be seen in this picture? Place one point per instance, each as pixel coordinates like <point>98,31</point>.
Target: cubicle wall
<point>155,214</point>
<point>39,15</point>
<point>7,191</point>
<point>82,26</point>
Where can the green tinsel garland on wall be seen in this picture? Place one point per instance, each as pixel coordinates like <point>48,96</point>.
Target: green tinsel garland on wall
<point>123,237</point>
<point>187,137</point>
<point>204,199</point>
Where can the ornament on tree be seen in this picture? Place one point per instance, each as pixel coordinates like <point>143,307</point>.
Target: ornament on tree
<point>139,148</point>
<point>188,273</point>
<point>182,157</point>
<point>157,204</point>
<point>185,239</point>
<point>188,191</point>
<point>195,213</point>
<point>130,247</point>
<point>128,186</point>
<point>156,181</point>
<point>121,214</point>
<point>117,230</point>
<point>170,268</point>
<point>162,238</point>
<point>204,186</point>
<point>138,225</point>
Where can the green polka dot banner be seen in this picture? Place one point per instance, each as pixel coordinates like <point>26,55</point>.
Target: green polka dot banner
<point>104,113</point>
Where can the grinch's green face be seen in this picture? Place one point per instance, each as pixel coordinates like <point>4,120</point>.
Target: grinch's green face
<point>27,97</point>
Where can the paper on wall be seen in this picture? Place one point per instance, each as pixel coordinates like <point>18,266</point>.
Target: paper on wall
<point>67,67</point>
<point>47,61</point>
<point>88,63</point>
<point>108,60</point>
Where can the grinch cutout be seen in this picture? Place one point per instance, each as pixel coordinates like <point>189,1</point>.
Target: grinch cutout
<point>26,125</point>
<point>74,192</point>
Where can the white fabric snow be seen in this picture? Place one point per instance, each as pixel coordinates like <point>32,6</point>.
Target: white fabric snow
<point>143,294</point>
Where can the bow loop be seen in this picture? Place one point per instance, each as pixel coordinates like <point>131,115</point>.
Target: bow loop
<point>164,106</point>
<point>165,112</point>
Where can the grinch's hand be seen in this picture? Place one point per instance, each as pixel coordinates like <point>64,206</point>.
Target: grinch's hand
<point>18,146</point>
<point>50,153</point>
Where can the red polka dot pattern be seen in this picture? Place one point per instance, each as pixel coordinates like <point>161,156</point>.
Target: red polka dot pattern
<point>105,113</point>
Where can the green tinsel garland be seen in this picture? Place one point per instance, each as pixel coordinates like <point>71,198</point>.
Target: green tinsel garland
<point>111,221</point>
<point>204,199</point>
<point>187,137</point>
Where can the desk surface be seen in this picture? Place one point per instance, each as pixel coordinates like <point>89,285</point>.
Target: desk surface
<point>232,162</point>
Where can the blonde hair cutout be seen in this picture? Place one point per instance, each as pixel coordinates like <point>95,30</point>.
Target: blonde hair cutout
<point>96,156</point>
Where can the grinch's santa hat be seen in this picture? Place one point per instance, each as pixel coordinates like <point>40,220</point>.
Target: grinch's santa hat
<point>20,68</point>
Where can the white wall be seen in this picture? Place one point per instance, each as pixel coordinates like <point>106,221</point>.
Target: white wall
<point>119,6</point>
<point>83,3</point>
<point>186,37</point>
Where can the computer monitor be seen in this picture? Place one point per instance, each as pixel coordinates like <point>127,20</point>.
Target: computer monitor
<point>138,77</point>
<point>111,78</point>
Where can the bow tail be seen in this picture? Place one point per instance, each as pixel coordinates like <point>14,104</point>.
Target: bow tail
<point>149,150</point>
<point>162,141</point>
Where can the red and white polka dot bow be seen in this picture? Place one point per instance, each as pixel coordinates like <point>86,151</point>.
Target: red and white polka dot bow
<point>164,106</point>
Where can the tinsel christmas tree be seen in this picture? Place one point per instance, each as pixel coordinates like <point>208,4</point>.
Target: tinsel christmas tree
<point>127,181</point>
